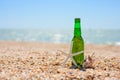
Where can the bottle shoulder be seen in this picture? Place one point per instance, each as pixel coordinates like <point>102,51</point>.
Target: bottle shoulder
<point>77,38</point>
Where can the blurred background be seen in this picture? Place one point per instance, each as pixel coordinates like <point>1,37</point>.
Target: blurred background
<point>53,20</point>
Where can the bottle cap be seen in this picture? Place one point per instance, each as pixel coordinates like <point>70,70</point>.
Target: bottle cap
<point>77,20</point>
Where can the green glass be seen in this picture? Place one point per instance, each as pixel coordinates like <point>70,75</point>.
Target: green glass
<point>78,43</point>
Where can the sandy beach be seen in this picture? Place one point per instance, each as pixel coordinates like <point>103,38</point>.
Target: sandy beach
<point>42,61</point>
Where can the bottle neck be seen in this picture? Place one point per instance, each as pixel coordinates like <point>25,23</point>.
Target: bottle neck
<point>77,29</point>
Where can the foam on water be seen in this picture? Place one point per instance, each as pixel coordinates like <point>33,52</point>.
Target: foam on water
<point>57,38</point>
<point>117,43</point>
<point>96,36</point>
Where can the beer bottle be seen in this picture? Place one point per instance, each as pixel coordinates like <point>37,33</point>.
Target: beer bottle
<point>78,44</point>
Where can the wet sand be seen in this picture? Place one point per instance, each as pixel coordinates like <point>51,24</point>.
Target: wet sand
<point>42,61</point>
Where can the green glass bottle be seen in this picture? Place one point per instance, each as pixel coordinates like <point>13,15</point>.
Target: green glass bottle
<point>78,44</point>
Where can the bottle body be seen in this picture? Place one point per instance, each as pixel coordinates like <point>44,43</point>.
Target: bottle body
<point>78,44</point>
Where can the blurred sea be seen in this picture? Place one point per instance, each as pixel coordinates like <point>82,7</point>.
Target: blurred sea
<point>95,36</point>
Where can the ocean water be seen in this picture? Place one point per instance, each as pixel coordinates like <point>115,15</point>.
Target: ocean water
<point>95,36</point>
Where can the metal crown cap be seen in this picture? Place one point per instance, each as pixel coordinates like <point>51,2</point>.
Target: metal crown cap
<point>77,20</point>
